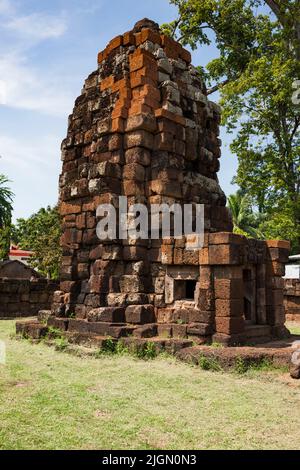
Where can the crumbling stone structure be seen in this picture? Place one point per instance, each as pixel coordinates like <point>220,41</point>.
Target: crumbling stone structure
<point>292,299</point>
<point>25,297</point>
<point>15,269</point>
<point>23,291</point>
<point>144,128</point>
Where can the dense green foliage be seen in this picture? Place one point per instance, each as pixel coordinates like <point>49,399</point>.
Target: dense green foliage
<point>245,220</point>
<point>6,199</point>
<point>41,234</point>
<point>258,63</point>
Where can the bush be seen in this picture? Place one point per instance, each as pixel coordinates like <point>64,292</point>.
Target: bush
<point>209,363</point>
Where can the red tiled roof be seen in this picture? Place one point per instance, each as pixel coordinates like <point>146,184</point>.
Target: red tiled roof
<point>16,252</point>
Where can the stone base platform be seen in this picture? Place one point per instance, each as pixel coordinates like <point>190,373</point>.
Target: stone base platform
<point>274,353</point>
<point>171,338</point>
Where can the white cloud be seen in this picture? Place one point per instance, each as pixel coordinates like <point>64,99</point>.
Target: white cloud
<point>89,7</point>
<point>23,86</point>
<point>36,156</point>
<point>32,165</point>
<point>38,26</point>
<point>6,7</point>
<point>3,92</point>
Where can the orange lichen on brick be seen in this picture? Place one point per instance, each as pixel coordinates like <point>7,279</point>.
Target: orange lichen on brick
<point>121,108</point>
<point>136,93</point>
<point>107,83</point>
<point>114,43</point>
<point>171,116</point>
<point>124,102</point>
<point>143,78</point>
<point>120,84</point>
<point>125,93</point>
<point>143,101</point>
<point>203,256</point>
<point>148,91</point>
<point>117,125</point>
<point>101,56</point>
<point>141,58</point>
<point>128,38</point>
<point>149,72</point>
<point>119,112</point>
<point>137,37</point>
<point>147,35</point>
<point>138,79</point>
<point>185,55</point>
<point>139,108</point>
<point>279,244</point>
<point>171,47</point>
<point>166,254</point>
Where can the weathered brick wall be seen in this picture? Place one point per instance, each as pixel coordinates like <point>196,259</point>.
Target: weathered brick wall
<point>24,297</point>
<point>144,128</point>
<point>292,299</point>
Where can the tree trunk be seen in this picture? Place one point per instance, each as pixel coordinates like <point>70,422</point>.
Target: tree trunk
<point>275,7</point>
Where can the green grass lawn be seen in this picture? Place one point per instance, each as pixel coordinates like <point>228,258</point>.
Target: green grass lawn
<point>294,328</point>
<point>53,400</point>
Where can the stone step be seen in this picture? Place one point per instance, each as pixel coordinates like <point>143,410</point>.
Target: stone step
<point>115,330</point>
<point>169,345</point>
<point>258,340</point>
<point>58,323</point>
<point>31,329</point>
<point>178,330</point>
<point>107,314</point>
<point>88,339</point>
<point>148,330</point>
<point>43,315</point>
<point>173,330</point>
<point>257,331</point>
<point>132,343</point>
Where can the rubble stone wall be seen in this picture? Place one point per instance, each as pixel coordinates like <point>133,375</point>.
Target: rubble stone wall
<point>144,128</point>
<point>292,299</point>
<point>24,297</point>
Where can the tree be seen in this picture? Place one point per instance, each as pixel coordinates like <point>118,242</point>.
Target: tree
<point>245,220</point>
<point>6,199</point>
<point>258,63</point>
<point>41,234</point>
<point>280,224</point>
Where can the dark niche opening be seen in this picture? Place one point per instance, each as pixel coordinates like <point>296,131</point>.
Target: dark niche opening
<point>184,289</point>
<point>249,296</point>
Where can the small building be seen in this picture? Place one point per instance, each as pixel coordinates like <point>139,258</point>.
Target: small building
<point>17,254</point>
<point>292,269</point>
<point>15,269</point>
<point>23,291</point>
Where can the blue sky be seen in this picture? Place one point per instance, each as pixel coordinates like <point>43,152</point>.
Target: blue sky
<point>47,49</point>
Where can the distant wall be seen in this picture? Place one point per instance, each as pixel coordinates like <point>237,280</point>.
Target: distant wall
<point>14,269</point>
<point>292,299</point>
<point>24,297</point>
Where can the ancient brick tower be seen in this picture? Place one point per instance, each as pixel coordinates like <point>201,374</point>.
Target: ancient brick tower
<point>144,128</point>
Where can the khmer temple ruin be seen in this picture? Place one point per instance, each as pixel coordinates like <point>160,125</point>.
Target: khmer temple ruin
<point>144,128</point>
